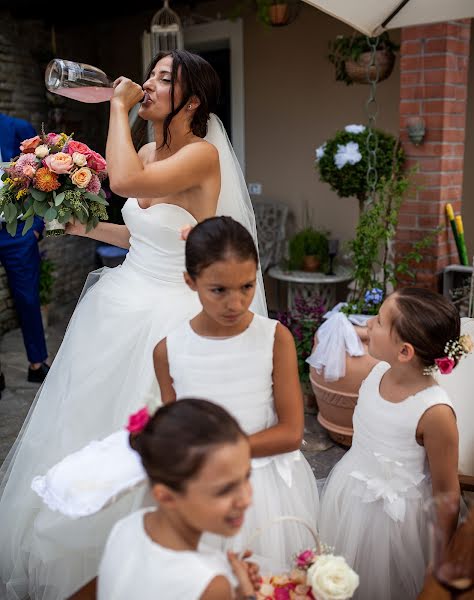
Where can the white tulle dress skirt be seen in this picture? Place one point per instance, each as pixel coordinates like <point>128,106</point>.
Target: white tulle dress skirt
<point>378,524</point>
<point>283,485</point>
<point>102,373</point>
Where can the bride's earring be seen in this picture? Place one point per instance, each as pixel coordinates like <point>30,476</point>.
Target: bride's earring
<point>190,107</point>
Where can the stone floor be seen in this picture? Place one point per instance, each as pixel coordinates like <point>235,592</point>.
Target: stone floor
<point>321,452</point>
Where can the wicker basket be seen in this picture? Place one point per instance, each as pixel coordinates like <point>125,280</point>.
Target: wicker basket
<point>357,70</point>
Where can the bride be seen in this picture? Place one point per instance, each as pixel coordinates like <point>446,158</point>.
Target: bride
<point>103,371</point>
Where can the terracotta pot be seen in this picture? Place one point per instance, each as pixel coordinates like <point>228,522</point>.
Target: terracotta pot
<point>311,263</point>
<point>335,412</point>
<point>278,14</point>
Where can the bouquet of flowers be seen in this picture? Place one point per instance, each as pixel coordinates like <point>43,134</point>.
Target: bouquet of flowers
<point>317,575</point>
<point>56,178</point>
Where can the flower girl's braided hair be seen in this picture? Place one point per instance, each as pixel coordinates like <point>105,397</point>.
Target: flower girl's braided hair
<point>428,321</point>
<point>176,440</point>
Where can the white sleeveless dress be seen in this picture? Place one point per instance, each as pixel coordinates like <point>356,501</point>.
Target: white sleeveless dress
<point>371,506</point>
<point>236,373</point>
<point>102,373</point>
<point>135,567</point>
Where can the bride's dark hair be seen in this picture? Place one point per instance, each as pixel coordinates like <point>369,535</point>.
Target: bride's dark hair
<point>198,78</point>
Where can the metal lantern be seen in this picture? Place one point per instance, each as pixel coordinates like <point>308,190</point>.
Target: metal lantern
<point>166,30</point>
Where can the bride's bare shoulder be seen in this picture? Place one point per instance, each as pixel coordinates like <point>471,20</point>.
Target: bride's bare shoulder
<point>147,152</point>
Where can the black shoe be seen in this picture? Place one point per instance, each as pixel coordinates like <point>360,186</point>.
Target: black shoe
<point>38,375</point>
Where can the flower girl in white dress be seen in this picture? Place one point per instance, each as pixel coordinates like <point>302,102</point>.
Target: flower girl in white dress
<point>198,462</point>
<point>404,449</point>
<point>246,363</point>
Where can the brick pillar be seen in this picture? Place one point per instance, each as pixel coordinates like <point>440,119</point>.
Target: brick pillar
<point>441,101</point>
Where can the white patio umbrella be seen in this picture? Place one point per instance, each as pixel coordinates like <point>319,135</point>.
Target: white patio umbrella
<point>372,17</point>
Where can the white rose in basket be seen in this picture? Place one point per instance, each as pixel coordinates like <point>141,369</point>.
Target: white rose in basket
<point>331,578</point>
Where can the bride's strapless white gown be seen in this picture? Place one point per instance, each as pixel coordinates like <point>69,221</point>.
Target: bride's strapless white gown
<point>102,373</point>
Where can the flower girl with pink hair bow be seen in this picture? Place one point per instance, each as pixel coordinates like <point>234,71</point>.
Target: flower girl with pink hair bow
<point>404,449</point>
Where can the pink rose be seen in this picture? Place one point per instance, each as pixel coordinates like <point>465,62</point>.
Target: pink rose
<point>30,144</point>
<point>95,161</point>
<point>305,559</point>
<point>445,365</point>
<point>29,171</point>
<point>53,139</point>
<point>74,146</point>
<point>137,421</point>
<point>282,593</point>
<point>59,163</point>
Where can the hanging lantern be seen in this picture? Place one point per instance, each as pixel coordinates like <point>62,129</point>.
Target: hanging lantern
<point>166,31</point>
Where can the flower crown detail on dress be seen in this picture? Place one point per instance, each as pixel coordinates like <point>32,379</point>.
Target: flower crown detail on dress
<point>455,349</point>
<point>137,422</point>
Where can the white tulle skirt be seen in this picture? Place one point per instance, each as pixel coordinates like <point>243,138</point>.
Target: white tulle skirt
<point>277,542</point>
<point>389,553</point>
<point>102,373</point>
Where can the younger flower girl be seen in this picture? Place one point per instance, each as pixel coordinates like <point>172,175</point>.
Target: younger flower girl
<point>404,449</point>
<point>198,462</point>
<point>246,363</point>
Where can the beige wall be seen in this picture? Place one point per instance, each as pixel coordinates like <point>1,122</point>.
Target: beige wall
<point>468,188</point>
<point>293,103</point>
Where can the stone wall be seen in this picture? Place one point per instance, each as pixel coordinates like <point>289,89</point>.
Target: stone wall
<point>25,50</point>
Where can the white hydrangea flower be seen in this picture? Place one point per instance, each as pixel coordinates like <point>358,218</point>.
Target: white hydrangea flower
<point>354,128</point>
<point>320,151</point>
<point>348,153</point>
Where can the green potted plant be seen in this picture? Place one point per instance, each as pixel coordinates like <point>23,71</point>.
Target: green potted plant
<point>308,250</point>
<point>271,13</point>
<point>351,55</point>
<point>342,161</point>
<point>46,282</point>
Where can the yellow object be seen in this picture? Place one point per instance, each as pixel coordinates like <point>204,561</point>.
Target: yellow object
<point>450,211</point>
<point>459,223</point>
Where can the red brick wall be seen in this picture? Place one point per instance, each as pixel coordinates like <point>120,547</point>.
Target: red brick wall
<point>434,87</point>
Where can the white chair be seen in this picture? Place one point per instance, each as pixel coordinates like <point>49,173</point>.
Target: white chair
<point>271,217</point>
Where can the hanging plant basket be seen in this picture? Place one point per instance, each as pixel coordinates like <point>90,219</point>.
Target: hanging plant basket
<point>357,69</point>
<point>279,14</point>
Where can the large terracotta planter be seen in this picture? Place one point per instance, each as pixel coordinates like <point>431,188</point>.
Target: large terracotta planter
<point>335,410</point>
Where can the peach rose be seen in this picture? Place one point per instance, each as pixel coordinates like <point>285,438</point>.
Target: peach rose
<point>81,177</point>
<point>30,144</point>
<point>59,163</point>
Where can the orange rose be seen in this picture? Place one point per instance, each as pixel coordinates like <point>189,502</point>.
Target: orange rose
<point>30,144</point>
<point>81,177</point>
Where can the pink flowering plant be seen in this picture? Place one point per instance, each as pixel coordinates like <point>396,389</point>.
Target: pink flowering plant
<point>316,575</point>
<point>305,316</point>
<point>56,178</point>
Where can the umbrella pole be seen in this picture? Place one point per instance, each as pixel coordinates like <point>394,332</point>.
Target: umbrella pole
<point>394,13</point>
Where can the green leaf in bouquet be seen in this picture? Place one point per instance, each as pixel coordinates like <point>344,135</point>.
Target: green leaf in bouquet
<point>40,208</point>
<point>28,224</point>
<point>89,226</point>
<point>59,199</point>
<point>96,198</point>
<point>10,213</point>
<point>30,212</point>
<point>65,216</point>
<point>50,214</point>
<point>102,193</point>
<point>38,194</point>
<point>11,227</point>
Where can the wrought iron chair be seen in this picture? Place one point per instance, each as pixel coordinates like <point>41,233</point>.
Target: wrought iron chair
<point>271,217</point>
